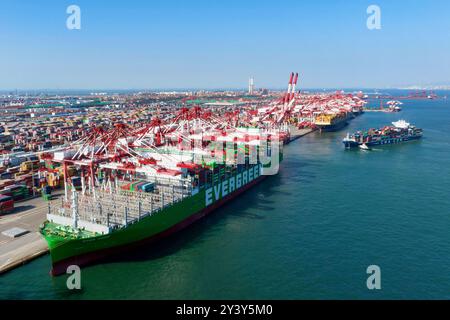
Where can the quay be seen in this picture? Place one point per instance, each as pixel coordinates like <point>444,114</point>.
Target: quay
<point>28,215</point>
<point>379,110</point>
<point>298,133</point>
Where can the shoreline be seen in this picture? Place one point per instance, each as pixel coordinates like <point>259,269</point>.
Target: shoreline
<point>28,215</point>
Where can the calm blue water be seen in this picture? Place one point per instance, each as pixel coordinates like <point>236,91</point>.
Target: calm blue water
<point>308,233</point>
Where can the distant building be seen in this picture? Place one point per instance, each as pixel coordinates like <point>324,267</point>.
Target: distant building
<point>251,86</point>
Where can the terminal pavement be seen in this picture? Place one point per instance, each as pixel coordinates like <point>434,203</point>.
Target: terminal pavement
<point>27,215</point>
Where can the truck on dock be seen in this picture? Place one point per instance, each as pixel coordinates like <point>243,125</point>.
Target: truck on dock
<point>6,204</point>
<point>28,166</point>
<point>46,193</point>
<point>17,192</point>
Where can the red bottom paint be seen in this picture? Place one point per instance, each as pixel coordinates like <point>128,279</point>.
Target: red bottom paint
<point>60,267</point>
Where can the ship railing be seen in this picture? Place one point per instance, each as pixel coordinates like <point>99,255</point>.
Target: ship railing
<point>119,209</point>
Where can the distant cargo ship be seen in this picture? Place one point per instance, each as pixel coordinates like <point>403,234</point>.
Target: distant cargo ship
<point>401,131</point>
<point>394,106</point>
<point>332,122</point>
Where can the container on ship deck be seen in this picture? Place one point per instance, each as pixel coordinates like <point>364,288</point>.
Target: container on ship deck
<point>147,187</point>
<point>126,187</point>
<point>134,186</point>
<point>137,186</point>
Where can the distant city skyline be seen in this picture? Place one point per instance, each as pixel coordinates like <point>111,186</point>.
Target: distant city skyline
<point>200,44</point>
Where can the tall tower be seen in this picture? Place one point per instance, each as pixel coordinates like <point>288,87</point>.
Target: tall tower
<point>251,85</point>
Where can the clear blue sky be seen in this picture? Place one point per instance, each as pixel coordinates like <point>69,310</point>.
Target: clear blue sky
<point>217,44</point>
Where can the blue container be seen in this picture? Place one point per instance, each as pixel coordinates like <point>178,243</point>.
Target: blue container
<point>76,181</point>
<point>148,187</point>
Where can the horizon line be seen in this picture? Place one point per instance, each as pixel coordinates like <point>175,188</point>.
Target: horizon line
<point>201,89</point>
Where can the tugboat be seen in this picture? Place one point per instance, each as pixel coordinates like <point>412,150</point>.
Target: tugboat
<point>400,131</point>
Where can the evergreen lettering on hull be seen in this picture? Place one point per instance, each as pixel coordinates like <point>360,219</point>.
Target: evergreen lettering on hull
<point>230,185</point>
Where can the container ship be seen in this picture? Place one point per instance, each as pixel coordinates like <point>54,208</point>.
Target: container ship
<point>332,122</point>
<point>400,131</point>
<point>150,192</point>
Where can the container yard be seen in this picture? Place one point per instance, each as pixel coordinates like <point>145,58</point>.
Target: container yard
<point>121,161</point>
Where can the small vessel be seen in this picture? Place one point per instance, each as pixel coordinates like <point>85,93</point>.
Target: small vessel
<point>400,131</point>
<point>364,146</point>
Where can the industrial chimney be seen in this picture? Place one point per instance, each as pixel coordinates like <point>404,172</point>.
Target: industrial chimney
<point>251,86</point>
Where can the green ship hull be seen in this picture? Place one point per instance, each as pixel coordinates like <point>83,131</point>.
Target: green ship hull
<point>68,247</point>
